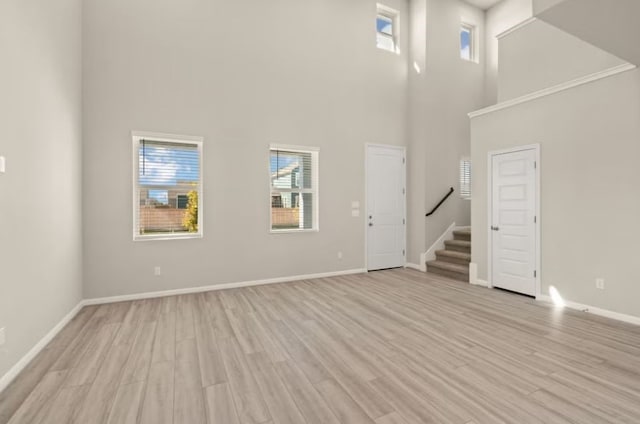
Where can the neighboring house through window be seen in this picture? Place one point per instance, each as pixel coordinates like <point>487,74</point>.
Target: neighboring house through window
<point>183,201</point>
<point>294,188</point>
<point>167,186</point>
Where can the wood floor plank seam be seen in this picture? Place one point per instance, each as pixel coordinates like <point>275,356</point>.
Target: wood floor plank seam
<point>387,347</point>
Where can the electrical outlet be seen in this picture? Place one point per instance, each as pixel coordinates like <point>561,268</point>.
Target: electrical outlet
<point>3,337</point>
<point>600,283</point>
<point>340,255</point>
<point>157,271</point>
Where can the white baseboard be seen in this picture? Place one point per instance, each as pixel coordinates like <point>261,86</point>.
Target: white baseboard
<point>6,379</point>
<point>164,293</point>
<point>422,268</point>
<point>473,273</point>
<point>473,276</point>
<point>482,283</point>
<point>631,319</point>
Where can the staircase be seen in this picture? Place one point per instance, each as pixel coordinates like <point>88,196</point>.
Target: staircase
<point>453,261</point>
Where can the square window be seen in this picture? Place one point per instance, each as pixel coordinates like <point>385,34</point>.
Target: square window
<point>387,29</point>
<point>294,188</point>
<point>167,187</point>
<point>183,201</point>
<point>467,42</point>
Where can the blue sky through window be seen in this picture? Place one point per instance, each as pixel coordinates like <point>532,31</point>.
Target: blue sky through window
<point>281,160</point>
<point>167,166</point>
<point>465,43</point>
<point>384,25</point>
<point>161,196</point>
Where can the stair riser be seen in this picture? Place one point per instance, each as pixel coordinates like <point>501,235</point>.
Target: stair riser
<point>463,249</point>
<point>455,275</point>
<point>452,260</point>
<point>465,237</point>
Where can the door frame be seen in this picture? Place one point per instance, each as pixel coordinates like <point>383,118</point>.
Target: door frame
<point>490,155</point>
<point>403,149</point>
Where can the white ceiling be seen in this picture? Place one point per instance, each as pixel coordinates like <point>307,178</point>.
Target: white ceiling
<point>483,4</point>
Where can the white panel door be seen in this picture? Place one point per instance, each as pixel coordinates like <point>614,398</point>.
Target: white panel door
<point>513,221</point>
<point>385,207</point>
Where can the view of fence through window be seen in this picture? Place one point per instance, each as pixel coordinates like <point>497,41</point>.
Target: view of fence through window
<point>168,187</point>
<point>292,189</point>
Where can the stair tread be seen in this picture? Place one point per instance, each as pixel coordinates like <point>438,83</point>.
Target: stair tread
<point>463,231</point>
<point>454,254</point>
<point>462,269</point>
<point>465,243</point>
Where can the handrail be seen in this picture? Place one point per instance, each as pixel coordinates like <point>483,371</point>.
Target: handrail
<point>451,190</point>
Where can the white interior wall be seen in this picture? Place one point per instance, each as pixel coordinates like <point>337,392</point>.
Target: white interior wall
<point>242,75</point>
<point>446,89</point>
<point>258,76</point>
<point>40,207</point>
<point>540,6</point>
<point>589,207</point>
<point>416,153</point>
<point>609,25</point>
<point>539,55</point>
<point>499,18</point>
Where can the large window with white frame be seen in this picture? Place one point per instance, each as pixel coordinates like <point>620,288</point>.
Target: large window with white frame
<point>387,27</point>
<point>293,175</point>
<point>167,186</point>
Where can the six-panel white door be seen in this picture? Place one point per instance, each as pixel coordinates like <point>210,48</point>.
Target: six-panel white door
<point>513,221</point>
<point>385,207</point>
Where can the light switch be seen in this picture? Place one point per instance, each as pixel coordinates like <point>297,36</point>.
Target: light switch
<point>2,165</point>
<point>355,213</point>
<point>355,204</point>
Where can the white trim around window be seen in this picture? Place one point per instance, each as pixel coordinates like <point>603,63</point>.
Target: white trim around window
<point>474,43</point>
<point>174,167</point>
<point>464,182</point>
<point>385,39</point>
<point>287,192</point>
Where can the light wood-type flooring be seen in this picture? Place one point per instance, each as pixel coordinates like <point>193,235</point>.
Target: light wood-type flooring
<point>388,347</point>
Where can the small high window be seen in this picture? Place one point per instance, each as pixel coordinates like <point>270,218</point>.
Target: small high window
<point>387,29</point>
<point>167,186</point>
<point>467,42</point>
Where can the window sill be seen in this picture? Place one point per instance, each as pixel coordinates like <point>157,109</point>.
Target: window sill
<point>315,230</point>
<point>164,237</point>
<point>395,51</point>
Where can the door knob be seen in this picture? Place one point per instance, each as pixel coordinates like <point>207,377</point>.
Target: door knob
<point>495,228</point>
